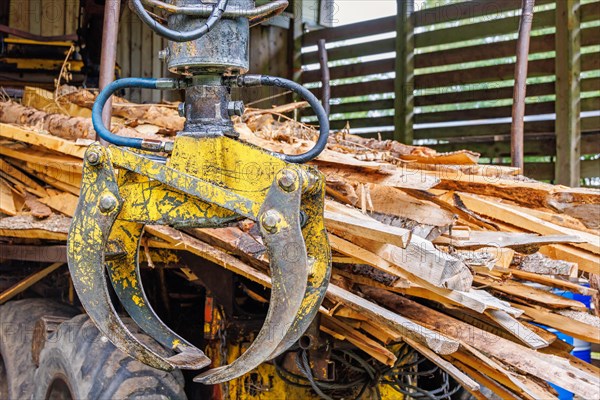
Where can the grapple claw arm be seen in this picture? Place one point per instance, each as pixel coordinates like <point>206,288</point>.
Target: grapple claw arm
<point>96,212</point>
<point>279,221</point>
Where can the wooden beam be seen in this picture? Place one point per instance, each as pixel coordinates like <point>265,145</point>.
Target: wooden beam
<point>28,282</point>
<point>404,67</point>
<point>568,67</point>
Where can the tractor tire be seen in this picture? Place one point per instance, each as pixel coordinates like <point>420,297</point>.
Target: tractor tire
<point>17,320</point>
<point>78,362</point>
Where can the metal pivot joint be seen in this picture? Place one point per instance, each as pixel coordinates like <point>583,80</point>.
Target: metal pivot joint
<point>209,179</point>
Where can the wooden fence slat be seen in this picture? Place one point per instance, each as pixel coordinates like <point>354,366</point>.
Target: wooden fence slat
<point>539,44</point>
<point>345,32</point>
<point>352,51</point>
<point>352,70</point>
<point>534,145</point>
<point>466,10</point>
<point>344,108</point>
<point>359,89</point>
<point>18,15</point>
<point>362,122</point>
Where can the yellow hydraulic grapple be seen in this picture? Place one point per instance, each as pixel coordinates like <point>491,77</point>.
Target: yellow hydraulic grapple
<point>206,177</point>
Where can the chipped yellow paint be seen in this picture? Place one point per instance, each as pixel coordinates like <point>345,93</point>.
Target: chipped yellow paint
<point>138,300</point>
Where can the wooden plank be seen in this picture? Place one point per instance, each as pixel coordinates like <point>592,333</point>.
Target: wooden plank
<point>529,294</point>
<point>569,326</point>
<point>397,178</point>
<point>486,28</point>
<point>521,358</point>
<point>534,145</point>
<point>464,380</point>
<point>365,226</point>
<point>352,51</point>
<point>539,44</point>
<point>19,15</point>
<point>7,203</point>
<point>470,10</point>
<point>586,261</point>
<point>352,70</point>
<point>65,203</point>
<point>18,175</point>
<point>520,331</point>
<point>71,16</point>
<point>47,141</point>
<point>63,163</point>
<point>505,213</point>
<point>568,68</point>
<point>366,28</point>
<point>493,92</point>
<point>35,16</point>
<point>28,282</point>
<point>359,89</point>
<point>483,130</point>
<point>339,124</point>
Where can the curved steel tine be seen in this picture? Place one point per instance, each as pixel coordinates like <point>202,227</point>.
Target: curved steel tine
<point>280,227</point>
<point>124,274</point>
<point>319,258</point>
<point>97,210</point>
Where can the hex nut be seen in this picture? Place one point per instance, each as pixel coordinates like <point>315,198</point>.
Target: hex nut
<point>235,108</point>
<point>270,219</point>
<point>107,203</point>
<point>93,157</point>
<point>287,180</point>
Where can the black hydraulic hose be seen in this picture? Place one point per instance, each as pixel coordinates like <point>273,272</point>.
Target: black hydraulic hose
<point>265,80</point>
<point>176,36</point>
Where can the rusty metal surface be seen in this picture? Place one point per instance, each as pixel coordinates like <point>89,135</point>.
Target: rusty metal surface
<point>281,231</point>
<point>124,273</point>
<point>517,134</point>
<point>96,213</point>
<point>108,57</point>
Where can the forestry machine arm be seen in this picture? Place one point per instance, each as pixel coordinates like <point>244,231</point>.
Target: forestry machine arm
<point>208,178</point>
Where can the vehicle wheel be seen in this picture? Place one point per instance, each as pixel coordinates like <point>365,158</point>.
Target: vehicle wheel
<point>78,362</point>
<point>18,319</point>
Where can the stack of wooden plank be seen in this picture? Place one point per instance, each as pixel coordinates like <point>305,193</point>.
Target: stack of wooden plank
<point>460,260</point>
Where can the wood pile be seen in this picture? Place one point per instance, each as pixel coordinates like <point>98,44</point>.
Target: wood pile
<point>453,257</point>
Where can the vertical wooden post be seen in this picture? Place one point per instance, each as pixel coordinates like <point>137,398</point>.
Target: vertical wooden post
<point>404,81</point>
<point>567,106</point>
<point>296,48</point>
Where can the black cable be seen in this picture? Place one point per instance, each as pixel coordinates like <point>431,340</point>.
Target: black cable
<point>177,36</point>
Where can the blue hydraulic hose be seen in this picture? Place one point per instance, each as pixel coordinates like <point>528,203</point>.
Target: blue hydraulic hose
<point>103,131</point>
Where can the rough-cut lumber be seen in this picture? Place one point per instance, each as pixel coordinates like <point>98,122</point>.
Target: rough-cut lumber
<point>49,142</point>
<point>505,213</point>
<point>44,158</point>
<point>7,203</point>
<point>516,241</point>
<point>527,193</point>
<point>65,203</point>
<point>543,366</point>
<point>528,293</point>
<point>540,264</point>
<point>411,153</point>
<point>585,260</point>
<point>570,326</point>
<point>437,343</point>
<point>396,202</point>
<point>549,281</point>
<point>349,220</point>
<point>15,174</point>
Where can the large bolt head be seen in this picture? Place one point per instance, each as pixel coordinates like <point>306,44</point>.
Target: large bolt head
<point>270,219</point>
<point>108,202</point>
<point>93,157</point>
<point>287,180</point>
<point>235,108</point>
